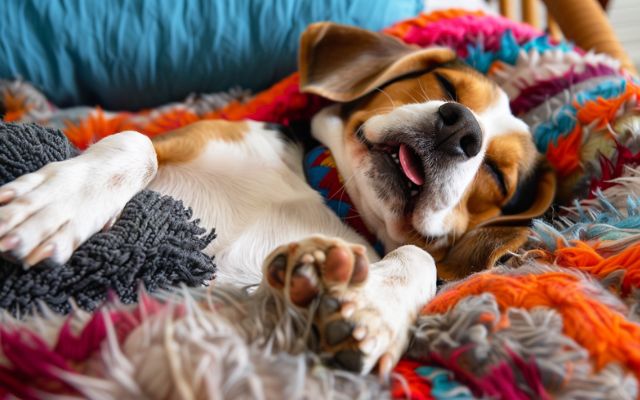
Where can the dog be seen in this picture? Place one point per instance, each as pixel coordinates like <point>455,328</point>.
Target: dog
<point>434,161</point>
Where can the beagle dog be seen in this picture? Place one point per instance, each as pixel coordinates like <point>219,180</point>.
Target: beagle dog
<point>429,152</point>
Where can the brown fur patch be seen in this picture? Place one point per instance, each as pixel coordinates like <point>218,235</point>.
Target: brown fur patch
<point>514,155</point>
<point>343,63</point>
<point>186,143</point>
<point>473,90</point>
<point>480,249</point>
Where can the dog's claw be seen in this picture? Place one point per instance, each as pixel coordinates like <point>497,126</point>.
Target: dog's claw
<point>359,333</point>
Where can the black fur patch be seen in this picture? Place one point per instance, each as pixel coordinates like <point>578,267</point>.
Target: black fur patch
<point>297,132</point>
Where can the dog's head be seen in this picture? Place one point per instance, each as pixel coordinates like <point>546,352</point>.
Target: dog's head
<point>429,149</point>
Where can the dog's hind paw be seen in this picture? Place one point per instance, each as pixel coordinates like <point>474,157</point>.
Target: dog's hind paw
<point>331,276</point>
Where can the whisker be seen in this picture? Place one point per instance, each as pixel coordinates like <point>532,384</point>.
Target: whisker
<point>344,187</point>
<point>424,92</point>
<point>381,109</point>
<point>412,97</point>
<point>341,191</point>
<point>388,97</point>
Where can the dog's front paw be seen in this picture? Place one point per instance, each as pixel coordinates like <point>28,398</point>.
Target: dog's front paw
<point>50,212</point>
<point>47,214</point>
<point>354,332</point>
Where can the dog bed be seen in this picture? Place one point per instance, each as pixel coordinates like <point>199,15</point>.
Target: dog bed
<point>561,320</point>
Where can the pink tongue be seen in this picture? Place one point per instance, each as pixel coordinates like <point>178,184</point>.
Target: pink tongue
<point>411,168</point>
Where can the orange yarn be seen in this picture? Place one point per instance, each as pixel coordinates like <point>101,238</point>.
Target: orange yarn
<point>99,125</point>
<point>495,67</point>
<point>565,156</point>
<point>235,111</point>
<point>586,258</point>
<point>15,106</point>
<point>604,110</point>
<point>408,384</point>
<point>605,333</point>
<point>172,119</point>
<point>96,126</point>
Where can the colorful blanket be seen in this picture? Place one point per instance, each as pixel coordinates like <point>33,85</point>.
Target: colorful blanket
<point>560,321</point>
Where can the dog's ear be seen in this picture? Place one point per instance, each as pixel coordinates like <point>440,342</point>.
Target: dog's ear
<point>532,198</point>
<point>480,249</point>
<point>484,245</point>
<point>343,63</point>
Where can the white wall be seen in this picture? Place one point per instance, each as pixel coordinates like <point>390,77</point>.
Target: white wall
<point>625,18</point>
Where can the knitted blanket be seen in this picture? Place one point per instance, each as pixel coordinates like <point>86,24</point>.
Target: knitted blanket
<point>560,321</point>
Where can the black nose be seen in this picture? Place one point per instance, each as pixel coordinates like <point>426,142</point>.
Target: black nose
<point>460,135</point>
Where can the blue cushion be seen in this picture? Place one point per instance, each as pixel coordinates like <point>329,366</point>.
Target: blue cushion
<point>131,54</point>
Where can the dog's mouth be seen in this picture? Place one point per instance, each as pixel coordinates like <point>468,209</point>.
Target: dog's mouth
<point>404,165</point>
<point>408,165</point>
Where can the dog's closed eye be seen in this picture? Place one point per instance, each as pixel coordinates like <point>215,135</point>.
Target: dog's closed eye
<point>497,175</point>
<point>447,87</point>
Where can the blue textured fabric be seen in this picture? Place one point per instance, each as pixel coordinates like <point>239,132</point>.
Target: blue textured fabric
<point>481,59</point>
<point>602,222</point>
<point>564,120</point>
<point>131,54</point>
<point>443,387</point>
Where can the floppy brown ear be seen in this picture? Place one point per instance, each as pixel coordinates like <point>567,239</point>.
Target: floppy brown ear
<point>480,249</point>
<point>532,198</point>
<point>483,246</point>
<point>342,63</point>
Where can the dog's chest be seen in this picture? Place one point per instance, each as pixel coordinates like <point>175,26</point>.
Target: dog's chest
<point>254,194</point>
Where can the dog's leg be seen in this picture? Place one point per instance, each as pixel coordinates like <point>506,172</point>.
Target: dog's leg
<point>364,311</point>
<point>50,212</point>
